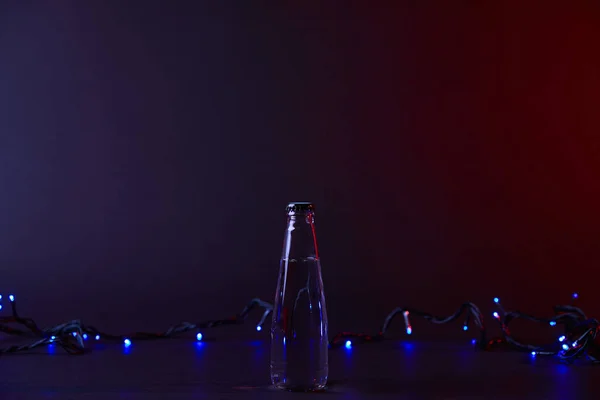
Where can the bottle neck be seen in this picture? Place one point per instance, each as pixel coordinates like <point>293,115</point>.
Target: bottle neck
<point>300,239</point>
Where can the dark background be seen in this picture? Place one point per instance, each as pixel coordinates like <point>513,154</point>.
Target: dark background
<point>148,149</point>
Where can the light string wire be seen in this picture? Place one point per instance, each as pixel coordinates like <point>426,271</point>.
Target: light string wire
<point>577,341</point>
<point>70,335</point>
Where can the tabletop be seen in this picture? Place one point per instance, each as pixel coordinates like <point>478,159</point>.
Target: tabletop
<point>239,369</point>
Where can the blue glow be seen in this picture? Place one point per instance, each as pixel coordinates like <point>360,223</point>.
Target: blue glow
<point>565,347</point>
<point>552,323</point>
<point>409,331</point>
<point>561,339</point>
<point>496,300</point>
<point>465,328</point>
<point>0,297</point>
<point>575,343</point>
<point>127,342</point>
<point>97,337</point>
<point>533,353</point>
<point>11,297</point>
<point>74,334</point>
<point>474,341</point>
<point>348,344</point>
<point>199,336</point>
<point>85,336</point>
<point>258,328</point>
<point>575,295</point>
<point>0,306</point>
<point>284,341</point>
<point>52,337</point>
<point>496,315</point>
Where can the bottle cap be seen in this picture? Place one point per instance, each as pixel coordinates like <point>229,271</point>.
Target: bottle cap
<point>300,206</point>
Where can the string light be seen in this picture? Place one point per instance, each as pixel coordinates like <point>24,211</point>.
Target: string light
<point>580,331</point>
<point>70,335</point>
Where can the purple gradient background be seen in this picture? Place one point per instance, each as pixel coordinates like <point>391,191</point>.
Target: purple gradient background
<point>148,150</point>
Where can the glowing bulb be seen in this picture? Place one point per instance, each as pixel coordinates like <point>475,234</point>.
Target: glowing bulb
<point>85,336</point>
<point>465,328</point>
<point>127,342</point>
<point>199,336</point>
<point>0,306</point>
<point>496,300</point>
<point>473,341</point>
<point>97,337</point>
<point>561,339</point>
<point>409,331</point>
<point>496,315</point>
<point>565,347</point>
<point>575,295</point>
<point>0,297</point>
<point>552,323</point>
<point>258,328</point>
<point>11,297</point>
<point>52,337</point>
<point>74,334</point>
<point>348,344</point>
<point>575,343</point>
<point>533,353</point>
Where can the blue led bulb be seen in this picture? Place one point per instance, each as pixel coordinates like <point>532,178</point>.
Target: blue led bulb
<point>348,344</point>
<point>97,337</point>
<point>198,336</point>
<point>127,342</point>
<point>258,328</point>
<point>496,300</point>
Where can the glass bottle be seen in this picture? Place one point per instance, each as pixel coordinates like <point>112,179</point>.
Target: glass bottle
<point>299,341</point>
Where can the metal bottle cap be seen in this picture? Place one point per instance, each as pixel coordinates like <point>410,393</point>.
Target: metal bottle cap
<point>300,206</point>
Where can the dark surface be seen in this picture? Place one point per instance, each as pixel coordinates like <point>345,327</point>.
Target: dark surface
<point>230,369</point>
